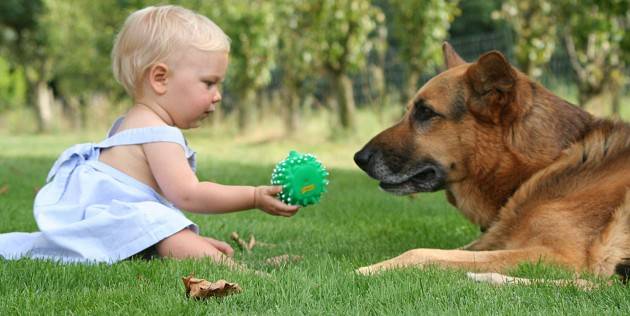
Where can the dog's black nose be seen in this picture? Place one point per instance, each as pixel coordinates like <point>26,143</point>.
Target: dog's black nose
<point>362,157</point>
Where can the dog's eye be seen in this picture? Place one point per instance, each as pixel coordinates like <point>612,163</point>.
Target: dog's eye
<point>423,113</point>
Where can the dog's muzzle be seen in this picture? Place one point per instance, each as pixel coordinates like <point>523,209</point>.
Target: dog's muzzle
<point>401,176</point>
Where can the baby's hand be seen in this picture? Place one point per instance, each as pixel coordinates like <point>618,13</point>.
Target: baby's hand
<point>265,199</point>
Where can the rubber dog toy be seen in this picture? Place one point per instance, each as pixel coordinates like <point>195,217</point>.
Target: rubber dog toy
<point>303,179</point>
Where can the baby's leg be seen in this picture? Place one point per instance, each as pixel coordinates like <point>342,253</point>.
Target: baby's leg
<point>186,244</point>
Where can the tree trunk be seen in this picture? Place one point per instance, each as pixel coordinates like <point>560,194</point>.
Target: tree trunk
<point>292,115</point>
<point>39,94</point>
<point>43,99</point>
<point>616,86</point>
<point>595,102</point>
<point>72,111</point>
<point>582,98</point>
<point>616,104</point>
<point>380,86</point>
<point>412,85</point>
<point>245,106</point>
<point>217,116</point>
<point>345,100</point>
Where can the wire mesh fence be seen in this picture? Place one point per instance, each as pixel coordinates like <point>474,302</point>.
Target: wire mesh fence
<point>368,88</point>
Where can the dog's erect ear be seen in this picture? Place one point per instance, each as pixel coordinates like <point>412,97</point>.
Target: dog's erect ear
<point>492,80</point>
<point>491,72</point>
<point>451,58</point>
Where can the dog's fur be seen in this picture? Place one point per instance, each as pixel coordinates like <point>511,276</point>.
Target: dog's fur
<point>543,179</point>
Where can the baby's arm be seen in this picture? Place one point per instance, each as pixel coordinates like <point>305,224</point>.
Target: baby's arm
<point>180,185</point>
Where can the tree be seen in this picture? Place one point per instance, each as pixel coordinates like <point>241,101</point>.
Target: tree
<point>80,38</point>
<point>535,25</point>
<point>475,18</point>
<point>297,55</point>
<point>419,28</point>
<point>593,36</point>
<point>12,86</point>
<point>251,26</point>
<point>25,45</point>
<point>342,34</point>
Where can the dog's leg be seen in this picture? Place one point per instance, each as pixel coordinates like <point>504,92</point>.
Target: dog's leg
<point>481,261</point>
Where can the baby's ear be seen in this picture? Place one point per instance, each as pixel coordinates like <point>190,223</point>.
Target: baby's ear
<point>158,77</point>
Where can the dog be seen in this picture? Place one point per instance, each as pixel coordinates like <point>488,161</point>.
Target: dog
<point>544,180</point>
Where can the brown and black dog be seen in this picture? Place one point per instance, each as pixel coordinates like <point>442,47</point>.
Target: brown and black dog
<point>543,179</point>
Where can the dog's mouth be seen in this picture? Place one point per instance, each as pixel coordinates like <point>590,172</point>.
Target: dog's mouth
<point>428,177</point>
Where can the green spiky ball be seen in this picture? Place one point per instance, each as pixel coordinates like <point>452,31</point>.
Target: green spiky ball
<point>303,179</point>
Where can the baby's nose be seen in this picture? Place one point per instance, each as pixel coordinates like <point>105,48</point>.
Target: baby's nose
<point>217,98</point>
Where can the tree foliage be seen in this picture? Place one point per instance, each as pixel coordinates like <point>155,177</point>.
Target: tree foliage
<point>26,46</point>
<point>298,58</point>
<point>12,86</point>
<point>475,18</point>
<point>64,46</point>
<point>594,37</point>
<point>419,28</point>
<point>79,34</point>
<point>251,26</point>
<point>342,34</point>
<point>535,23</point>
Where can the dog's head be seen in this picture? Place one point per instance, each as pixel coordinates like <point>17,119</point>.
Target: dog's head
<point>435,142</point>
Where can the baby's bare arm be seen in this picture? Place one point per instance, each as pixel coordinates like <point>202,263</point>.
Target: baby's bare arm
<point>180,185</point>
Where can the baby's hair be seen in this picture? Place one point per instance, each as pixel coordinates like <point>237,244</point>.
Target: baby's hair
<point>152,34</point>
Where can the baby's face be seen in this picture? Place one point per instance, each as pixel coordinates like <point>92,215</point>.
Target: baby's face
<point>193,85</point>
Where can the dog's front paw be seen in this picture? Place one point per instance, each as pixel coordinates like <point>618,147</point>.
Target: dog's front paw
<point>367,271</point>
<point>491,277</point>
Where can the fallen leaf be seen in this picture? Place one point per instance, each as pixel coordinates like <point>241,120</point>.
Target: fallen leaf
<point>200,288</point>
<point>4,189</point>
<point>283,259</point>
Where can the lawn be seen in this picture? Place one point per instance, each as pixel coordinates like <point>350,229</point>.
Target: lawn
<point>354,225</point>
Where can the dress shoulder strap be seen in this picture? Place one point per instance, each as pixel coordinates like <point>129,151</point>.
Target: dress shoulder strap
<point>136,136</point>
<point>143,135</point>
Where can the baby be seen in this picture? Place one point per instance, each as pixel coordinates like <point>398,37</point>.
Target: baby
<point>107,201</point>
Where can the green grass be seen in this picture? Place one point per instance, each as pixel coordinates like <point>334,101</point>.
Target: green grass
<point>354,225</point>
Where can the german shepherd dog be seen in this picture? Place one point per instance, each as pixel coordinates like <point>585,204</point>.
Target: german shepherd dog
<point>544,180</point>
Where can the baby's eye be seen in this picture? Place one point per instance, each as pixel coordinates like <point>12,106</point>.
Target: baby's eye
<point>209,84</point>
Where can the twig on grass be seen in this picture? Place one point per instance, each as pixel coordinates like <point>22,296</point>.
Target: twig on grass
<point>241,243</point>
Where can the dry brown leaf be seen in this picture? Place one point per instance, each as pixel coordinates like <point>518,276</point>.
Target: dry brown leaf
<point>4,189</point>
<point>200,288</point>
<point>283,259</point>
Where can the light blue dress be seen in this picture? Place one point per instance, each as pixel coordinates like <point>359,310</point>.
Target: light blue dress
<point>91,212</point>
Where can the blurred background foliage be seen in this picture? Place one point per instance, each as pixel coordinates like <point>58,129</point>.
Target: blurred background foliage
<point>295,60</point>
